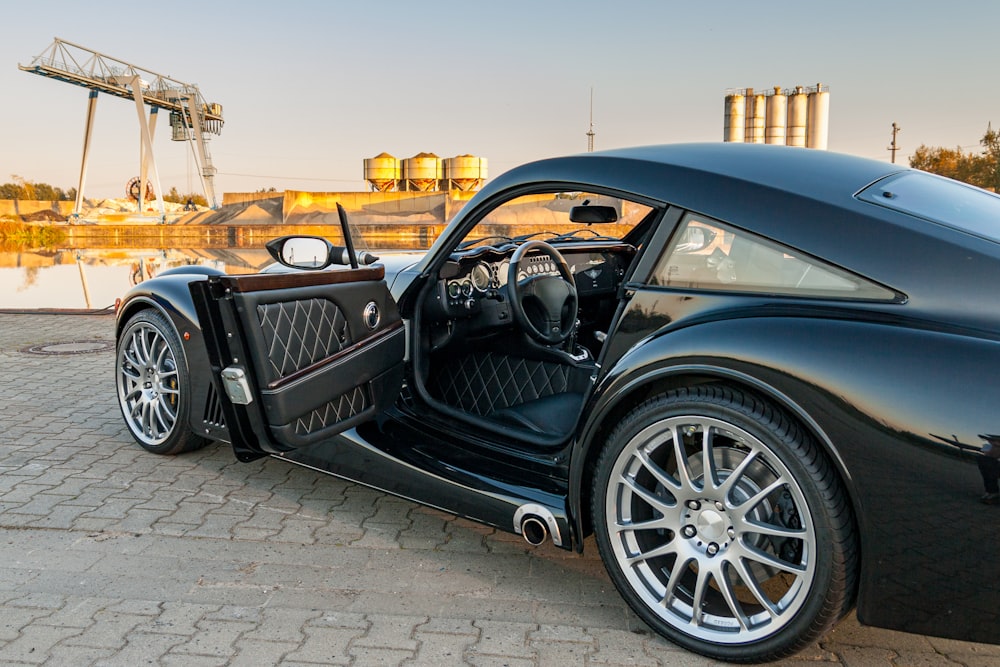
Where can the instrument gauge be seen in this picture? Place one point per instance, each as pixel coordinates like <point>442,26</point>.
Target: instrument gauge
<point>467,287</point>
<point>481,277</point>
<point>454,291</point>
<point>502,272</point>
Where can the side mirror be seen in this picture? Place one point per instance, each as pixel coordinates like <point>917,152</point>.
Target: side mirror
<point>593,215</point>
<point>313,252</point>
<point>301,252</point>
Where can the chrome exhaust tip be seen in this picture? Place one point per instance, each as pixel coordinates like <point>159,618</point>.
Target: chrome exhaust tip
<point>534,531</point>
<point>535,524</point>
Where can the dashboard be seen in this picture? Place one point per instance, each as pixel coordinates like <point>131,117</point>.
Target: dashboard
<point>473,283</point>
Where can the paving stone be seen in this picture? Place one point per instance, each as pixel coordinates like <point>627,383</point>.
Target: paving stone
<point>326,645</point>
<point>214,638</point>
<point>619,646</point>
<point>436,649</point>
<point>109,630</point>
<point>144,648</point>
<point>504,639</point>
<point>254,653</point>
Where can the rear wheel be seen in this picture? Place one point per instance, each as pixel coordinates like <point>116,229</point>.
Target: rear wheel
<point>154,385</point>
<point>723,526</point>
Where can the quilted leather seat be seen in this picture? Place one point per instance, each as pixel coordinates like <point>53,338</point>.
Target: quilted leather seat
<point>554,415</point>
<point>541,396</point>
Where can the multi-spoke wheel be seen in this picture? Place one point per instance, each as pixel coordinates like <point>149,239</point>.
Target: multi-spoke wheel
<point>153,385</point>
<point>723,526</point>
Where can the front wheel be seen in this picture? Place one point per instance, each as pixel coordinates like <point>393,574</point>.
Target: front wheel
<point>154,385</point>
<point>723,526</point>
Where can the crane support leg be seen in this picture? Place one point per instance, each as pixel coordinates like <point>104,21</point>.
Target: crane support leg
<point>206,169</point>
<point>91,109</point>
<point>146,149</point>
<point>145,159</point>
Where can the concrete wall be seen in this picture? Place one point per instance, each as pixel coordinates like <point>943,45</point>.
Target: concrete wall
<point>246,197</point>
<point>369,208</point>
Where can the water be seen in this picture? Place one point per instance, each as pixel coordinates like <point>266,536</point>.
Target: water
<point>91,279</point>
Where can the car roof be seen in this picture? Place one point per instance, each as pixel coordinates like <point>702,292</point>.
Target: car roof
<point>806,172</point>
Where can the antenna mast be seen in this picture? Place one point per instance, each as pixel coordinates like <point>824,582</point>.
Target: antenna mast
<point>590,133</point>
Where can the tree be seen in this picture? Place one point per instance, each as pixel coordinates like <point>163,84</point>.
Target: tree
<point>982,169</point>
<point>177,198</point>
<point>26,190</point>
<point>991,153</point>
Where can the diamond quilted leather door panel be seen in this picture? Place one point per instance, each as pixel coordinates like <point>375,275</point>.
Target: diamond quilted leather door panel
<point>325,351</point>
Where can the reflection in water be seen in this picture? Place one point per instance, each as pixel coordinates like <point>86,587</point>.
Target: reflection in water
<point>93,279</point>
<point>97,266</point>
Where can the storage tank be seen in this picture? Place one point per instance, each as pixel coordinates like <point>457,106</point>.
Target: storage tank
<point>465,172</point>
<point>735,115</point>
<point>754,132</point>
<point>818,126</point>
<point>422,172</point>
<point>777,114</point>
<point>383,172</point>
<point>795,128</point>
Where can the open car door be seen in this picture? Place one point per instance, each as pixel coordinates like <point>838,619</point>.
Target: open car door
<point>300,357</point>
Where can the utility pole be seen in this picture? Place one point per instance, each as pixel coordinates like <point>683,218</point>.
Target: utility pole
<point>893,147</point>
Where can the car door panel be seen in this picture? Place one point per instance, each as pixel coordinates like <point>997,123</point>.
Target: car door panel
<point>323,350</point>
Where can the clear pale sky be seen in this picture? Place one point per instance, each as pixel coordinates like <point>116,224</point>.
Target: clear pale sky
<point>310,89</point>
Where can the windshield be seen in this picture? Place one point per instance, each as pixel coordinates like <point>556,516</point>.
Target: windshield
<point>555,217</point>
<point>941,200</point>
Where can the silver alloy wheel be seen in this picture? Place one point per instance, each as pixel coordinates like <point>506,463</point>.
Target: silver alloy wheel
<point>710,529</point>
<point>148,383</point>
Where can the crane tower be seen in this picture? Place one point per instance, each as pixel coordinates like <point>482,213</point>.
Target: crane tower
<point>191,118</point>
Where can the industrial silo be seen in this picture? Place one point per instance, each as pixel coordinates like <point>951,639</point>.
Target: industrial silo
<point>423,172</point>
<point>755,117</point>
<point>383,172</point>
<point>777,113</point>
<point>465,172</point>
<point>818,127</point>
<point>735,115</point>
<point>795,128</point>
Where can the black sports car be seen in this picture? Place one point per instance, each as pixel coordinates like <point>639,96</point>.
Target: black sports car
<point>760,375</point>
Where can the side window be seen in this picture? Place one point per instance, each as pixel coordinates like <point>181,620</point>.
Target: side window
<point>710,255</point>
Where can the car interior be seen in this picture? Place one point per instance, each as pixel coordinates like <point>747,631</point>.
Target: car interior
<point>511,332</point>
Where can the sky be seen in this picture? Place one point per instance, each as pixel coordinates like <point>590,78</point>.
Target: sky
<point>311,89</point>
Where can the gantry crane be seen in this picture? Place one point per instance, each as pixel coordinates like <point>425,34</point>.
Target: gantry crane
<point>191,118</point>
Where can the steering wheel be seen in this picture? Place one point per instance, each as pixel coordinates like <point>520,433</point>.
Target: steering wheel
<point>543,302</point>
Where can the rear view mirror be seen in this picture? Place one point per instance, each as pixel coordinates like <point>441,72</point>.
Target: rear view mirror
<point>593,215</point>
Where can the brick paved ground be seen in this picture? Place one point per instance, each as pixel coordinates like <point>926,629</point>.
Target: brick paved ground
<point>113,556</point>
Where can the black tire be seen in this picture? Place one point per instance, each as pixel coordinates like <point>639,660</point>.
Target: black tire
<point>154,385</point>
<point>751,567</point>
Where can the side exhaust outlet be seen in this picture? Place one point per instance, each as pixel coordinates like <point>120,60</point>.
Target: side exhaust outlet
<point>536,524</point>
<point>533,531</point>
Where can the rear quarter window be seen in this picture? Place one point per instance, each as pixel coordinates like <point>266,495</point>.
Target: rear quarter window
<point>706,254</point>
